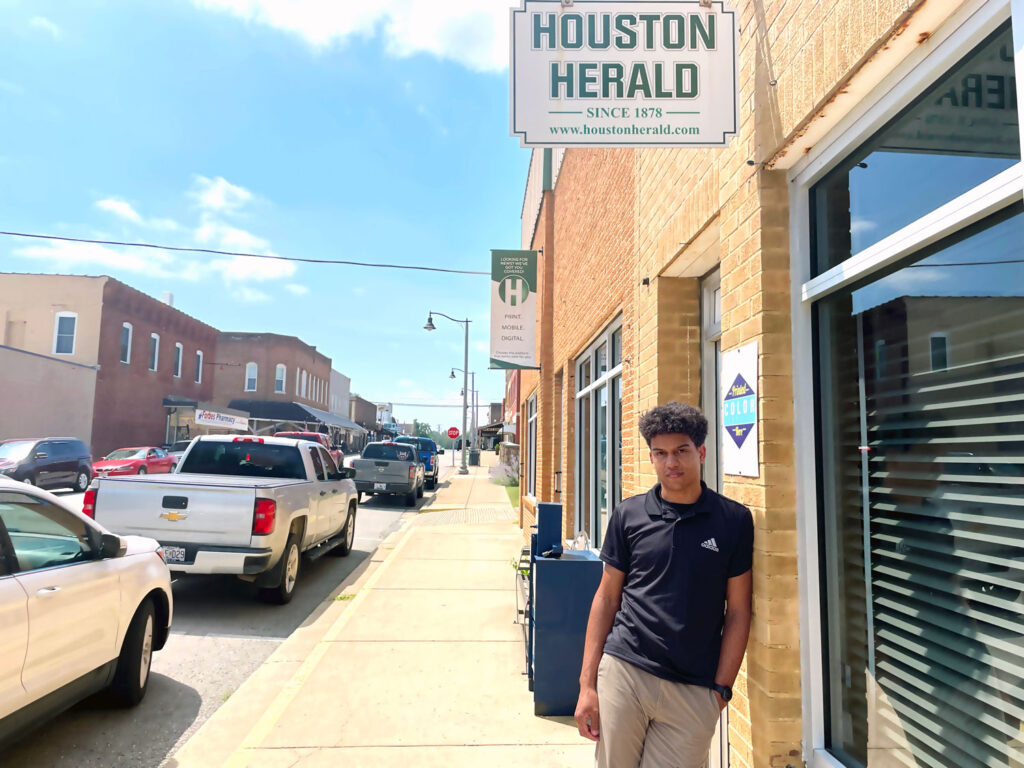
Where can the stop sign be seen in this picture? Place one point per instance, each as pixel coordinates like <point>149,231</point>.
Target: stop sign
<point>453,432</point>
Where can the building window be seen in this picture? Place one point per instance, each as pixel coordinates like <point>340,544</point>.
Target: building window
<point>126,343</point>
<point>305,381</point>
<point>298,380</point>
<point>599,432</point>
<point>179,352</point>
<point>251,374</point>
<point>154,351</point>
<point>279,378</point>
<point>531,446</point>
<point>199,366</point>
<point>939,351</point>
<point>921,464</point>
<point>64,326</point>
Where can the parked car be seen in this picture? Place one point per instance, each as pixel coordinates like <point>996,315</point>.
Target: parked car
<point>246,506</point>
<point>428,453</point>
<point>177,449</point>
<point>390,469</point>
<point>317,437</point>
<point>50,462</point>
<point>82,610</point>
<point>148,460</point>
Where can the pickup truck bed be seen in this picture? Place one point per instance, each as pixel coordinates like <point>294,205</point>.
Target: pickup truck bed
<point>390,469</point>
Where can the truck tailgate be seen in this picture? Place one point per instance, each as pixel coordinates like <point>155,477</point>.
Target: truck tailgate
<point>381,470</point>
<point>206,509</point>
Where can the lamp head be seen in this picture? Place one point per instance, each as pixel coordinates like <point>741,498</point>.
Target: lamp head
<point>453,374</point>
<point>429,324</point>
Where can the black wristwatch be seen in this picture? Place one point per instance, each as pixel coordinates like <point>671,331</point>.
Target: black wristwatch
<point>722,690</point>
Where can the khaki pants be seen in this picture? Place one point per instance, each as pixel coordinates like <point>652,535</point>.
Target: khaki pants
<point>648,722</point>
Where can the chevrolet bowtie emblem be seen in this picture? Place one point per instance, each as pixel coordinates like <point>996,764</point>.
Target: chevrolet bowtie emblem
<point>173,516</point>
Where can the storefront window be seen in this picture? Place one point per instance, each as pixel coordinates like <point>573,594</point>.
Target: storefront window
<point>531,427</point>
<point>961,132</point>
<point>921,443</point>
<point>599,434</point>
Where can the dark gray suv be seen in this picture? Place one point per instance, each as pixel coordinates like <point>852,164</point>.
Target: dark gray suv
<point>50,462</point>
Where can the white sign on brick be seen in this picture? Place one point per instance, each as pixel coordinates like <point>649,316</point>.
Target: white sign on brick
<point>739,412</point>
<point>623,74</point>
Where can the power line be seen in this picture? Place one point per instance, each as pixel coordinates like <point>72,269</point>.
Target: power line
<point>241,253</point>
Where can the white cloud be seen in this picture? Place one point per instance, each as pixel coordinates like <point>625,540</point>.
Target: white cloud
<point>861,226</point>
<point>473,33</point>
<point>359,290</point>
<point>219,195</point>
<point>297,290</point>
<point>124,210</point>
<point>228,238</point>
<point>244,269</point>
<point>481,346</point>
<point>78,256</point>
<point>120,209</point>
<point>43,23</point>
<point>249,295</point>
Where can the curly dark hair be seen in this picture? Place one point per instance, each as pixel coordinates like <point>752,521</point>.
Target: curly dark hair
<point>674,418</point>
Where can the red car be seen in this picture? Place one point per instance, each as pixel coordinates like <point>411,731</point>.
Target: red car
<point>134,461</point>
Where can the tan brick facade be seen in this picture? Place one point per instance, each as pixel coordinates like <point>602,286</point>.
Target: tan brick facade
<point>616,233</point>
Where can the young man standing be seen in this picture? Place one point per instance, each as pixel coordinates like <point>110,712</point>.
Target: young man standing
<point>669,623</point>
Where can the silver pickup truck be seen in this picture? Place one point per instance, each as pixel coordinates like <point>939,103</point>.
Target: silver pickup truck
<point>390,469</point>
<point>247,506</point>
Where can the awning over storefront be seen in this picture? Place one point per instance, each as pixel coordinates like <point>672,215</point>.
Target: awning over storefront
<point>295,413</point>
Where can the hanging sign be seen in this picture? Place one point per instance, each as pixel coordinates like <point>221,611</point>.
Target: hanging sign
<point>739,412</point>
<point>513,309</point>
<point>623,74</point>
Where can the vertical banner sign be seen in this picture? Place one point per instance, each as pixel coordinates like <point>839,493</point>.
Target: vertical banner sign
<point>739,412</point>
<point>513,309</point>
<point>622,73</point>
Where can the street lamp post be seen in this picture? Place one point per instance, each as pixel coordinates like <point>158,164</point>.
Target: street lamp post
<point>429,326</point>
<point>472,397</point>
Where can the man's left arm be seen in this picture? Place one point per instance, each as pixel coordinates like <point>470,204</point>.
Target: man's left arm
<point>735,631</point>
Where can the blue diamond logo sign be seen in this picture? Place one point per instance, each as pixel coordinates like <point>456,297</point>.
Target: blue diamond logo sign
<point>739,410</point>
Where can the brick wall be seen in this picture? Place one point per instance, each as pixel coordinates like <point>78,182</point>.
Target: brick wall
<point>623,217</point>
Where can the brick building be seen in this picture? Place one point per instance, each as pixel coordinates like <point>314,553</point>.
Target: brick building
<point>859,229</point>
<point>270,367</point>
<point>114,354</point>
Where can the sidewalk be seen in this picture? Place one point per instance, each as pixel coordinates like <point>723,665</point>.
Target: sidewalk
<point>423,666</point>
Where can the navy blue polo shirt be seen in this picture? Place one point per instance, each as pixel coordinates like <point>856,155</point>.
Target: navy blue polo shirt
<point>677,560</point>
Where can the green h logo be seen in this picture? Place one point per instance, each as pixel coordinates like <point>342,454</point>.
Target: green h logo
<point>513,290</point>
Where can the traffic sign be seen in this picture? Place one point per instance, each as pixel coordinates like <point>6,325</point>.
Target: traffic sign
<point>453,432</point>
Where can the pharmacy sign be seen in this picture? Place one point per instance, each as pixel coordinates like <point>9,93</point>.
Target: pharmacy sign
<point>623,73</point>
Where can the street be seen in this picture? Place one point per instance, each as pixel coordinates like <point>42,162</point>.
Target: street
<point>221,633</point>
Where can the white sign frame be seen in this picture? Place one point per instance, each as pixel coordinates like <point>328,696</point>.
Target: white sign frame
<point>674,104</point>
<point>739,403</point>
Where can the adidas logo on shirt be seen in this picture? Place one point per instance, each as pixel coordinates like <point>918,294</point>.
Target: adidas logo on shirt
<point>710,544</point>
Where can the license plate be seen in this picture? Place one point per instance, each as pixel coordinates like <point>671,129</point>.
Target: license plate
<point>380,486</point>
<point>174,554</point>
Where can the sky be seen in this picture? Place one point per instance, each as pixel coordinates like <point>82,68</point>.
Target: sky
<point>373,131</point>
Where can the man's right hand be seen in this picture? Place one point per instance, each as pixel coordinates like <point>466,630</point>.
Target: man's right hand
<point>587,718</point>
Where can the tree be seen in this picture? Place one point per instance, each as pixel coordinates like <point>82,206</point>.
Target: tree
<point>421,429</point>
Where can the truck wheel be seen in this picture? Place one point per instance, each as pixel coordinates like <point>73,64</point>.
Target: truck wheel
<point>419,491</point>
<point>348,534</point>
<point>284,591</point>
<point>432,483</point>
<point>132,675</point>
<point>410,498</point>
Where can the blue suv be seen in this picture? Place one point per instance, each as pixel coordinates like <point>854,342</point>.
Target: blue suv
<point>428,452</point>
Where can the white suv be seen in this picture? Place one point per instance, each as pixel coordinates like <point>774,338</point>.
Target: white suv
<point>82,610</point>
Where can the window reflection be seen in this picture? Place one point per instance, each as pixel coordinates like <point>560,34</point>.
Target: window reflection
<point>924,521</point>
<point>961,132</point>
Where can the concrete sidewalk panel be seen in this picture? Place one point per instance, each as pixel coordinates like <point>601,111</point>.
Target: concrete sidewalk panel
<point>374,694</point>
<point>449,574</point>
<point>435,615</point>
<point>553,756</point>
<point>432,544</point>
